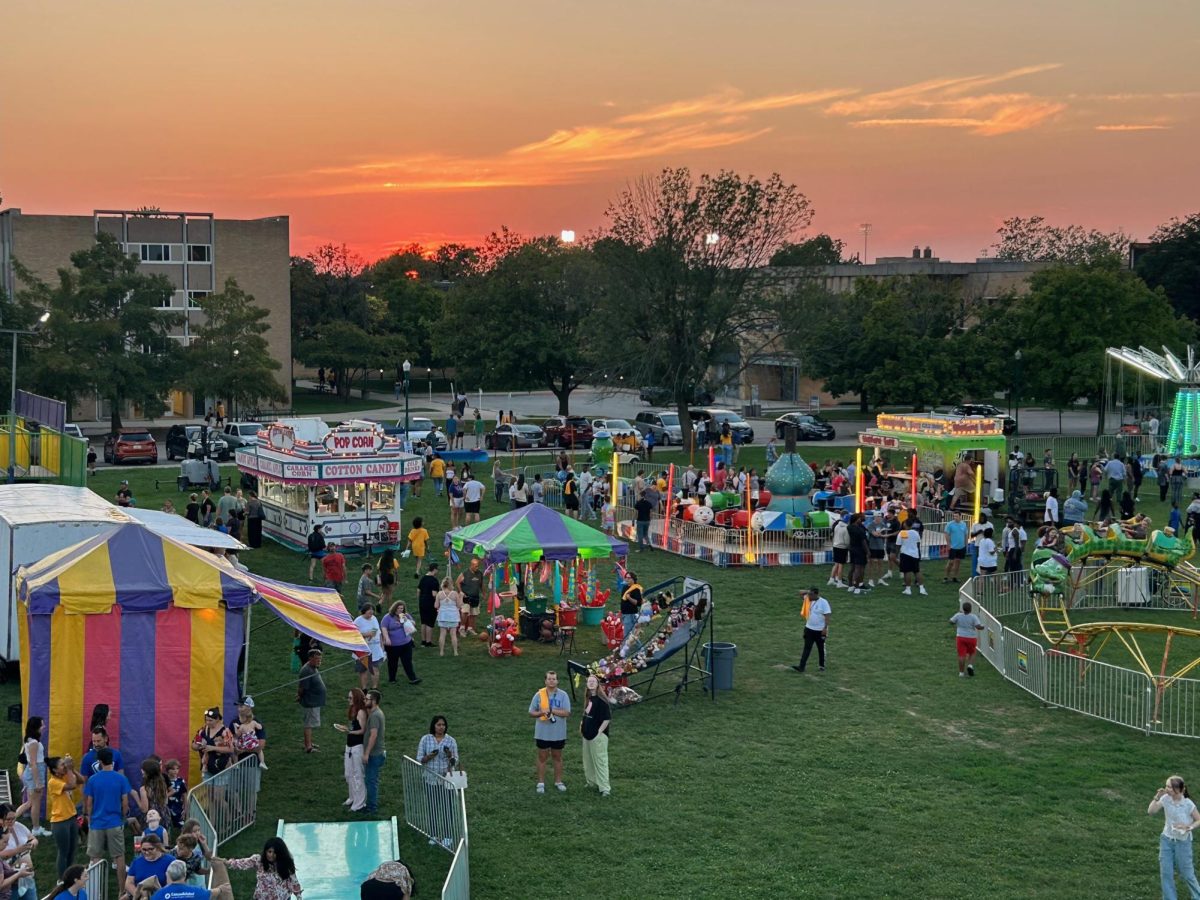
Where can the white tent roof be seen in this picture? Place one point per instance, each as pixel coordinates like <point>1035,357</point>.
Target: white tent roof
<point>29,504</point>
<point>33,504</point>
<point>184,530</point>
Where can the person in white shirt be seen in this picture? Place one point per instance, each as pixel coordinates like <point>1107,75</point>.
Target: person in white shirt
<point>910,560</point>
<point>986,547</point>
<point>472,498</point>
<point>841,550</point>
<point>1050,515</point>
<point>1152,426</point>
<point>1175,842</point>
<point>966,637</point>
<point>1012,545</point>
<point>816,628</point>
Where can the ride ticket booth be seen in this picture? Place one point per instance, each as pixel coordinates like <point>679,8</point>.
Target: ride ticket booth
<point>940,443</point>
<point>346,478</point>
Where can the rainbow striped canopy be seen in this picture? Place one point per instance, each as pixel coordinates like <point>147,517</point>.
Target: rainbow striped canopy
<point>154,629</point>
<point>531,534</point>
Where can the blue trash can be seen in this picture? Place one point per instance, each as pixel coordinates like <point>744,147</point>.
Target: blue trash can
<point>718,659</point>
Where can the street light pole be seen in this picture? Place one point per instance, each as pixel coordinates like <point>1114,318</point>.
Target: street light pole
<point>1017,391</point>
<point>407,366</point>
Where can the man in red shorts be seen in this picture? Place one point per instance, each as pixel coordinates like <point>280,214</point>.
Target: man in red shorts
<point>966,629</point>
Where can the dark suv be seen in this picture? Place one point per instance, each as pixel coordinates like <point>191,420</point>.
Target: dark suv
<point>985,411</point>
<point>568,431</point>
<point>808,427</point>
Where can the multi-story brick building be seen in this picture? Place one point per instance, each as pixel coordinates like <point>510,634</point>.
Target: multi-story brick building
<point>196,252</point>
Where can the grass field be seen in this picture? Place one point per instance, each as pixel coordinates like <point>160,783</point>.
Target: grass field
<point>887,776</point>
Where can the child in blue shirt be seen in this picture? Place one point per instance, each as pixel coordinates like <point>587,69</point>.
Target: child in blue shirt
<point>176,794</point>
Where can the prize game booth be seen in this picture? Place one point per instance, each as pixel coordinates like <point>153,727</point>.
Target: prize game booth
<point>346,478</point>
<point>942,455</point>
<point>541,561</point>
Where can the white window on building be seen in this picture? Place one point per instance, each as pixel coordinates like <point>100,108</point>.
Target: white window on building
<point>199,253</point>
<point>169,301</point>
<point>155,253</point>
<point>194,298</point>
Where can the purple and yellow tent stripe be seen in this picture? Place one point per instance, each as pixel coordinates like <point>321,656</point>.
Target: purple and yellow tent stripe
<point>531,534</point>
<point>151,627</point>
<point>320,612</point>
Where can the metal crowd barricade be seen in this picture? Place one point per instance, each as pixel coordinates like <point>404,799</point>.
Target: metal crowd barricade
<point>433,805</point>
<point>458,880</point>
<point>96,880</point>
<point>1098,689</point>
<point>229,800</point>
<point>1178,709</point>
<point>1085,447</point>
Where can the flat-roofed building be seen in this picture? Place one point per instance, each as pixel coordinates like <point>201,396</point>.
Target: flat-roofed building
<point>195,251</point>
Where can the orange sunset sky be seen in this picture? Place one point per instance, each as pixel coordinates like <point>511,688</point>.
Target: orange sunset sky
<point>380,123</point>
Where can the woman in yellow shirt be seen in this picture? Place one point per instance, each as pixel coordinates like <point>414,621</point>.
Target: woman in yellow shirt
<point>437,471</point>
<point>418,539</point>
<point>60,809</point>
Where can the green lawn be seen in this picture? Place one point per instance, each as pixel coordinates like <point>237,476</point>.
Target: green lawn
<point>887,776</point>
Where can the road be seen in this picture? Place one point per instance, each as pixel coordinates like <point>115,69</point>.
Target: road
<point>593,403</point>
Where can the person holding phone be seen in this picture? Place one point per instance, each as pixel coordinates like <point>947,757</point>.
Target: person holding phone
<point>438,753</point>
<point>1175,842</point>
<point>550,707</point>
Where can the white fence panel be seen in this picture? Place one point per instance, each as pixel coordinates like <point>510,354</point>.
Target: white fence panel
<point>1098,689</point>
<point>1178,709</point>
<point>1024,662</point>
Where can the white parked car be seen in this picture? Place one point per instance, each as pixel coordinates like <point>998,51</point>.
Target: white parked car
<point>241,434</point>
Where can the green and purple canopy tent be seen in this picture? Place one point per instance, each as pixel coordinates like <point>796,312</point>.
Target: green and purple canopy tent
<point>532,534</point>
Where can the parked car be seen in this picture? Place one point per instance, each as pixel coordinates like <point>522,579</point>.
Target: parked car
<point>808,427</point>
<point>661,396</point>
<point>623,434</point>
<point>241,434</point>
<point>663,424</point>
<point>130,445</point>
<point>985,411</point>
<point>183,442</point>
<point>712,420</point>
<point>519,437</point>
<point>568,431</point>
<point>421,431</point>
<point>74,431</point>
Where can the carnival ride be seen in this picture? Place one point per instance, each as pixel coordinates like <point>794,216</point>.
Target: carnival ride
<point>671,627</point>
<point>1088,554</point>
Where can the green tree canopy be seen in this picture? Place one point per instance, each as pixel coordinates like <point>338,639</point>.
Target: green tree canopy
<point>522,322</point>
<point>1032,240</point>
<point>1072,314</point>
<point>685,262</point>
<point>1173,263</point>
<point>821,250</point>
<point>229,357</point>
<point>107,334</point>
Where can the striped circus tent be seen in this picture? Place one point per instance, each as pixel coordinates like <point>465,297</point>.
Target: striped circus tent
<point>154,629</point>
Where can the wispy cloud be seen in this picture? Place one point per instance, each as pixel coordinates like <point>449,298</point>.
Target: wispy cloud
<point>1133,126</point>
<point>954,103</point>
<point>733,102</point>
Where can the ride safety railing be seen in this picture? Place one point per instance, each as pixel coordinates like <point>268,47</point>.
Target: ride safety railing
<point>436,806</point>
<point>1062,675</point>
<point>227,802</point>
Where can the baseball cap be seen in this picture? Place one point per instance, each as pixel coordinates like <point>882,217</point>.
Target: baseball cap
<point>247,702</point>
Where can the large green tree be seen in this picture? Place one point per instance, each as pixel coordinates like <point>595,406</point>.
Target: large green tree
<point>334,324</point>
<point>108,333</point>
<point>1173,263</point>
<point>894,340</point>
<point>229,357</point>
<point>522,322</point>
<point>820,250</point>
<point>1072,314</point>
<point>1031,239</point>
<point>688,289</point>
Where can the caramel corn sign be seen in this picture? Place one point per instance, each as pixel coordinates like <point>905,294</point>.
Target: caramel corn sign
<point>353,441</point>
